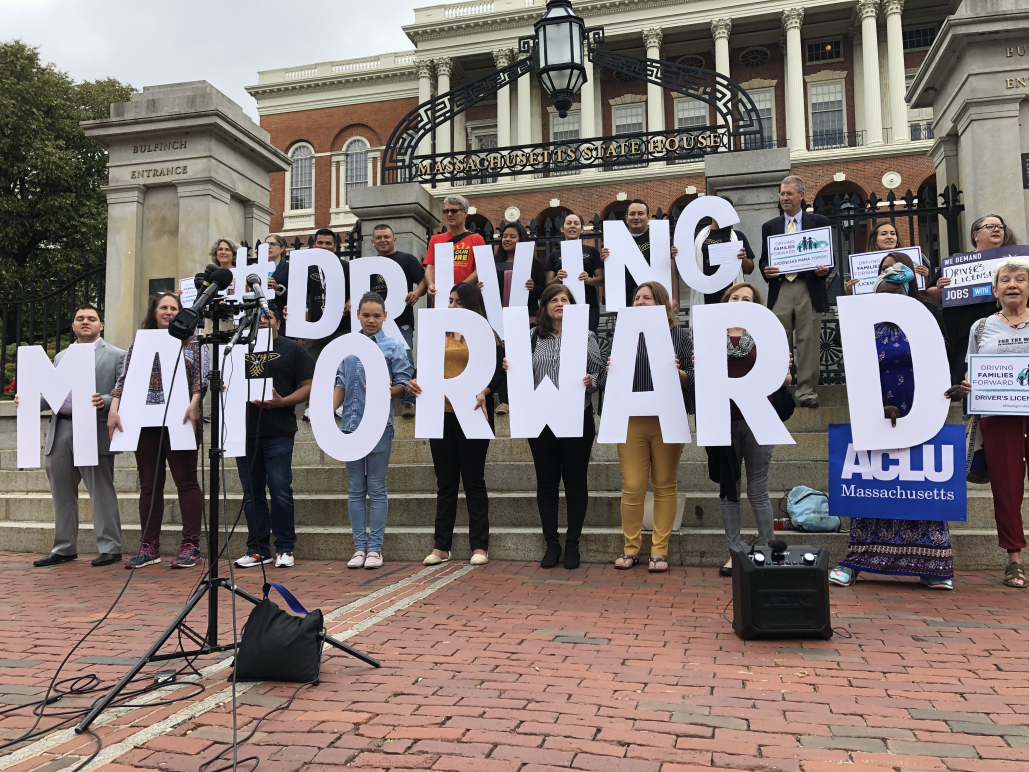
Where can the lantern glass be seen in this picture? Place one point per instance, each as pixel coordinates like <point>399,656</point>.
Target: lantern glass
<point>559,36</point>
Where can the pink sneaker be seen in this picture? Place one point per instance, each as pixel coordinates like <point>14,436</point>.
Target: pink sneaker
<point>374,560</point>
<point>358,560</point>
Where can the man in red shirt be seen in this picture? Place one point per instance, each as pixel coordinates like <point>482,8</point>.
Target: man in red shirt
<point>455,212</point>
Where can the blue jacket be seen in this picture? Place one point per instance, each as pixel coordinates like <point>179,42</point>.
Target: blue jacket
<point>351,378</point>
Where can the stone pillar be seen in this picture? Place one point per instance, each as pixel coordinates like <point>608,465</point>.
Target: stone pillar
<point>867,10</point>
<point>587,100</point>
<point>655,94</point>
<point>897,83</point>
<point>124,306</point>
<point>796,119</point>
<point>751,180</point>
<point>443,68</point>
<point>944,154</point>
<point>502,57</point>
<point>186,166</point>
<point>424,68</point>
<point>408,208</point>
<point>720,29</point>
<point>460,137</point>
<point>525,109</point>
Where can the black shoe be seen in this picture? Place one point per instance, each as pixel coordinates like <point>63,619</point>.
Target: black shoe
<point>52,560</point>
<point>551,556</point>
<point>725,571</point>
<point>105,559</point>
<point>571,554</point>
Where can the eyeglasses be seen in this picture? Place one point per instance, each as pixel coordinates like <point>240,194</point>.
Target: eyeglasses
<point>992,227</point>
<point>452,211</point>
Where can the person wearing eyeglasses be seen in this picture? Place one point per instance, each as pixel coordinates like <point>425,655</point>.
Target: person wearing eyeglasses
<point>280,275</point>
<point>988,232</point>
<point>455,214</point>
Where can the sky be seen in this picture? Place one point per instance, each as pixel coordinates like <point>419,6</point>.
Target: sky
<point>225,42</point>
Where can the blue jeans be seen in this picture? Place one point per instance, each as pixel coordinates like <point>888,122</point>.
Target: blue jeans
<point>367,477</point>
<point>408,332</point>
<point>270,461</point>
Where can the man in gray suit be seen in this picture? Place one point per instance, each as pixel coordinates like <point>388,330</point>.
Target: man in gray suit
<point>64,476</point>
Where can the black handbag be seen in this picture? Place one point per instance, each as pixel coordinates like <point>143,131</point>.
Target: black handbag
<point>276,646</point>
<point>783,403</point>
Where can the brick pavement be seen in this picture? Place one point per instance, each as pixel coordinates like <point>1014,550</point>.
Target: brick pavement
<point>510,668</point>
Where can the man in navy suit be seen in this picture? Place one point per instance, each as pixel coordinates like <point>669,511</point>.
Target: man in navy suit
<point>797,299</point>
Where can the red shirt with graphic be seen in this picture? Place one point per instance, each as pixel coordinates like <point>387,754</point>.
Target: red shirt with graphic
<point>464,258</point>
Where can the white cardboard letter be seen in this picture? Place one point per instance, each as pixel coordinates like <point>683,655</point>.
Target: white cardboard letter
<point>433,325</point>
<point>665,401</point>
<point>870,430</point>
<point>625,254</point>
<point>444,272</point>
<point>521,273</point>
<point>361,272</point>
<point>38,377</point>
<point>685,232</point>
<point>714,386</point>
<point>558,405</point>
<point>239,391</point>
<point>571,262</point>
<point>358,444</point>
<point>135,412</point>
<point>490,288</point>
<point>301,263</point>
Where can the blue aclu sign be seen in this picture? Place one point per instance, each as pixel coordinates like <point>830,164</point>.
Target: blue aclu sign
<point>926,482</point>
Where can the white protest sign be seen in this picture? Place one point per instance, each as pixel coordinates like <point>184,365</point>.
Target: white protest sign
<point>240,390</point>
<point>685,233</point>
<point>801,251</point>
<point>521,273</point>
<point>135,412</point>
<point>1000,384</point>
<point>665,401</point>
<point>301,262</point>
<point>490,288</point>
<point>36,377</point>
<point>559,405</point>
<point>361,271</point>
<point>726,252</point>
<point>433,326</point>
<point>625,254</point>
<point>871,430</point>
<point>865,267</point>
<point>362,441</point>
<point>263,269</point>
<point>444,276</point>
<point>714,386</point>
<point>571,263</point>
<point>188,292</point>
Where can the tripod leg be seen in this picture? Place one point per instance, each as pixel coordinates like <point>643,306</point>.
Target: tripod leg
<point>350,650</point>
<point>108,698</point>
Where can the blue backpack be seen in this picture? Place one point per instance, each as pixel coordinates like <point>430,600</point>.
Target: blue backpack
<point>809,511</point>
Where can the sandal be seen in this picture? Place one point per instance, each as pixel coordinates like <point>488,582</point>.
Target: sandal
<point>1014,573</point>
<point>634,561</point>
<point>654,560</point>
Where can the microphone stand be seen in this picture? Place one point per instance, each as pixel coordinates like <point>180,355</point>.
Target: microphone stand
<point>210,584</point>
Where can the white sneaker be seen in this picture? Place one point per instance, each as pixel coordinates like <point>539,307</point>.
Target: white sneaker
<point>284,560</point>
<point>307,415</point>
<point>339,412</point>
<point>358,560</point>
<point>253,559</point>
<point>374,560</point>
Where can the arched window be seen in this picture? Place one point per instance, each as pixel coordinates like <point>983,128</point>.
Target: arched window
<point>356,164</point>
<point>301,178</point>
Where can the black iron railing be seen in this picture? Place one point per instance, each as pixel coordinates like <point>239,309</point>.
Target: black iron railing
<point>41,315</point>
<point>835,140</point>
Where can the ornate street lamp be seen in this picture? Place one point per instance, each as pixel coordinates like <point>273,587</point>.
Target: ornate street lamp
<point>559,36</point>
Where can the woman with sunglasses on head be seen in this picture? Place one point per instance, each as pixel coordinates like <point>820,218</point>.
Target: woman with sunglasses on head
<point>988,232</point>
<point>277,281</point>
<point>154,449</point>
<point>455,457</point>
<point>889,546</point>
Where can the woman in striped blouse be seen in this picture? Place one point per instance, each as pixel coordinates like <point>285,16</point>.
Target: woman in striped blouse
<point>644,454</point>
<point>557,457</point>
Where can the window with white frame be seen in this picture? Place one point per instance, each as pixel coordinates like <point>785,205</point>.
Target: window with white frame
<point>356,166</point>
<point>629,119</point>
<point>301,178</point>
<point>827,118</point>
<point>563,130</point>
<point>764,101</point>
<point>690,113</point>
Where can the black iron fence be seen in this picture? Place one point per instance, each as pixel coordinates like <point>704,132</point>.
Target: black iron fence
<point>41,315</point>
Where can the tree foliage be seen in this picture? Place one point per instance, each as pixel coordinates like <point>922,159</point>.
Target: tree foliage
<point>53,213</point>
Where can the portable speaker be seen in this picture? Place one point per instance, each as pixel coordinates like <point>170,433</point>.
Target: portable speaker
<point>781,592</point>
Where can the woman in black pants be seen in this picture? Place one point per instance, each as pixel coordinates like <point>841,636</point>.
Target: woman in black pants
<point>555,457</point>
<point>455,457</point>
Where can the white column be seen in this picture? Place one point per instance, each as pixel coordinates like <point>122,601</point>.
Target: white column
<point>502,57</point>
<point>588,125</point>
<point>796,121</point>
<point>334,167</point>
<point>525,109</point>
<point>460,138</point>
<point>720,29</point>
<point>443,67</point>
<point>655,94</point>
<point>867,11</point>
<point>424,95</point>
<point>371,169</point>
<point>897,80</point>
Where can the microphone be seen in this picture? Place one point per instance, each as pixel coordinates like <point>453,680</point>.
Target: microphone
<point>243,326</point>
<point>779,545</point>
<point>254,285</point>
<point>186,321</point>
<point>200,278</point>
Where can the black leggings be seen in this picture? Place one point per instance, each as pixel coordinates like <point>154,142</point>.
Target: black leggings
<point>568,457</point>
<point>459,459</point>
